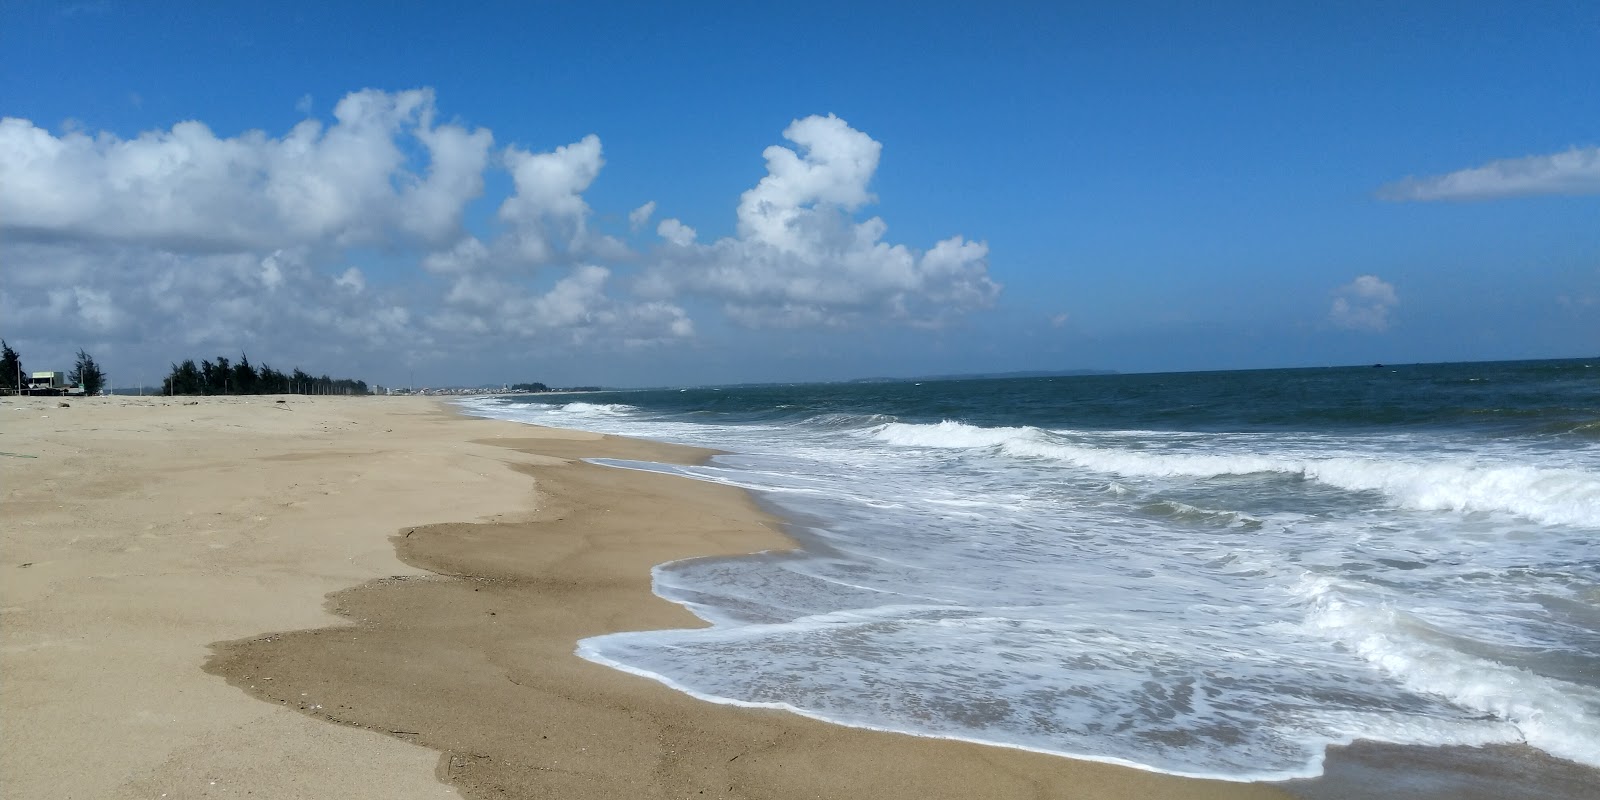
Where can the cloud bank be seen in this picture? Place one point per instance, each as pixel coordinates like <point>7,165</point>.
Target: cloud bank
<point>1364,304</point>
<point>351,235</point>
<point>1573,172</point>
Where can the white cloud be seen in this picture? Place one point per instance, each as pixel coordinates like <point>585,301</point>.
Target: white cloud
<point>464,256</point>
<point>547,215</point>
<point>831,170</point>
<point>184,238</point>
<point>1058,320</point>
<point>676,232</point>
<point>1572,172</point>
<point>641,215</point>
<point>1364,304</point>
<point>303,105</point>
<point>185,242</point>
<point>194,305</point>
<point>188,190</point>
<point>577,310</point>
<point>801,258</point>
<point>457,157</point>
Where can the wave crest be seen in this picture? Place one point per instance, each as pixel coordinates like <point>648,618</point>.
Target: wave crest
<point>1543,494</point>
<point>1551,714</point>
<point>612,409</point>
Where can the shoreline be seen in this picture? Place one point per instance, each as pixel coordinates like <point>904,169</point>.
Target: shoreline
<point>1360,768</point>
<point>1363,768</point>
<point>491,680</point>
<point>452,641</point>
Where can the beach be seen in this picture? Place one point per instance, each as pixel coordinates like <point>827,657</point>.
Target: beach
<point>376,597</point>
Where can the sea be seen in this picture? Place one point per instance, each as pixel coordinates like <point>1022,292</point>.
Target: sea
<point>1209,574</point>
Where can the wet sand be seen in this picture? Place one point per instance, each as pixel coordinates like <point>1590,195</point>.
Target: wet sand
<point>397,591</point>
<point>479,664</point>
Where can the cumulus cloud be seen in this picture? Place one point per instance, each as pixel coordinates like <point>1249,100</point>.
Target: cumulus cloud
<point>1572,172</point>
<point>676,232</point>
<point>547,215</point>
<point>1364,304</point>
<point>831,170</point>
<point>184,240</point>
<point>801,258</point>
<point>187,189</point>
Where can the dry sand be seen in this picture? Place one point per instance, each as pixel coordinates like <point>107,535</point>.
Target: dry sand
<point>145,529</point>
<point>417,577</point>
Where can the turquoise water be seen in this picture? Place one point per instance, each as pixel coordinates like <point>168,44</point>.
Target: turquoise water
<point>1211,574</point>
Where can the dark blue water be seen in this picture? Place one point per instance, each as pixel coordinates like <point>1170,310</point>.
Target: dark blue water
<point>1520,398</point>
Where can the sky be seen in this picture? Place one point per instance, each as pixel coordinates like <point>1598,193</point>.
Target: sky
<point>642,194</point>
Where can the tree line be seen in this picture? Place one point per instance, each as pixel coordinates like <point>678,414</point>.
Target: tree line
<point>85,372</point>
<point>221,376</point>
<point>210,376</point>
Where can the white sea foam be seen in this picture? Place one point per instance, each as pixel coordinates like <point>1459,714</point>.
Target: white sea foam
<point>499,408</point>
<point>1560,717</point>
<point>1551,496</point>
<point>611,409</point>
<point>1048,685</point>
<point>1218,605</point>
<point>1546,495</point>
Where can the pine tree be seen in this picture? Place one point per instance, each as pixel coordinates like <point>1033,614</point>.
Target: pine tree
<point>245,377</point>
<point>87,374</point>
<point>10,368</point>
<point>185,378</point>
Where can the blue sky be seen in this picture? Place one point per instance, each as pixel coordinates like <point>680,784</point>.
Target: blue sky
<point>1122,186</point>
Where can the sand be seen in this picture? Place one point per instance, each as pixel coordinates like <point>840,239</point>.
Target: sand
<point>146,529</point>
<point>378,598</point>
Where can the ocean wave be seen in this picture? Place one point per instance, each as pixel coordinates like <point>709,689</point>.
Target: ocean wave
<point>1582,430</point>
<point>612,409</point>
<point>1546,495</point>
<point>485,401</point>
<point>950,434</point>
<point>1556,716</point>
<point>1549,496</point>
<point>845,421</point>
<point>1183,512</point>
